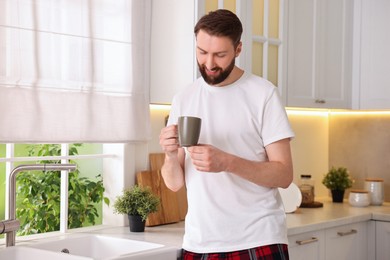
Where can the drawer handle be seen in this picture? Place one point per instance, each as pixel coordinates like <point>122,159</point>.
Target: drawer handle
<point>353,231</point>
<point>320,101</point>
<point>307,241</point>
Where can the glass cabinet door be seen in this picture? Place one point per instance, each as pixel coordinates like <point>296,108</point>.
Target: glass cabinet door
<point>262,37</point>
<point>266,39</point>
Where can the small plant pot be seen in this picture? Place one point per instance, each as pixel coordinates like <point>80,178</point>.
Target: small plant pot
<point>338,196</point>
<point>136,223</point>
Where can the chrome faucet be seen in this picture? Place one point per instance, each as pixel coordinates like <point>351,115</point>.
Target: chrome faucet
<point>10,226</point>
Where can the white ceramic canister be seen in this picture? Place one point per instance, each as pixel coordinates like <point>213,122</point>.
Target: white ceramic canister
<point>376,190</point>
<point>359,198</point>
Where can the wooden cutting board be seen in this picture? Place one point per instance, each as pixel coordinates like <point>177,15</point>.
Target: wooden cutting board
<point>156,162</point>
<point>168,211</point>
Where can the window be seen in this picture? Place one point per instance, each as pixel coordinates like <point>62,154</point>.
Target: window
<point>89,159</point>
<point>76,71</point>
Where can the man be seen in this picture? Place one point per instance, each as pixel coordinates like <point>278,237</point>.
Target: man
<point>232,176</point>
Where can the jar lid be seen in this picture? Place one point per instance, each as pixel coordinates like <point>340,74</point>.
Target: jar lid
<point>374,179</point>
<point>358,191</point>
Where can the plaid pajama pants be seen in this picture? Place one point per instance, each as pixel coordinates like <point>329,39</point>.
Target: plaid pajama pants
<point>270,252</point>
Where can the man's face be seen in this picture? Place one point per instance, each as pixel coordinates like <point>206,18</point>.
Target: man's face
<point>215,56</point>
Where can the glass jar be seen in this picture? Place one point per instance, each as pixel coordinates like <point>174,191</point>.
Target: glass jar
<point>306,186</point>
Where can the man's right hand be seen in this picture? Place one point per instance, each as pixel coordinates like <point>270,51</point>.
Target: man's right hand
<point>169,140</point>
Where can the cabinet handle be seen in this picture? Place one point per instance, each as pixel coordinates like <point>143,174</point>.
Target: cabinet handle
<point>320,101</point>
<point>352,231</point>
<point>307,241</point>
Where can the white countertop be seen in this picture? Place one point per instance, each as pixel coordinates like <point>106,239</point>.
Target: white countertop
<point>302,220</point>
<point>333,214</point>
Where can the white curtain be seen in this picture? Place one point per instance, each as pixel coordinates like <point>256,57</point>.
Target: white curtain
<point>74,70</point>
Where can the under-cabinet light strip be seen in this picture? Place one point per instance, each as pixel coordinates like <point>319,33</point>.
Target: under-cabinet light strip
<point>303,111</point>
<point>360,112</point>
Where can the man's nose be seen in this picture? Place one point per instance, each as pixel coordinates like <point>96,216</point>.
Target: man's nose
<point>210,63</point>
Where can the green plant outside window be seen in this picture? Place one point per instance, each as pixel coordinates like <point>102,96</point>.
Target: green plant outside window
<point>38,195</point>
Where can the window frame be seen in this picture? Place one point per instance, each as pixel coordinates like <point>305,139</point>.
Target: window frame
<point>10,159</point>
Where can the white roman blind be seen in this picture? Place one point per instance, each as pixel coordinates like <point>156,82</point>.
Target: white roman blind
<point>74,70</point>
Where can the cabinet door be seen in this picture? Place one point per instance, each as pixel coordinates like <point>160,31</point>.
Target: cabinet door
<point>172,49</point>
<point>382,240</point>
<point>306,246</point>
<point>319,58</point>
<point>347,242</point>
<point>375,55</point>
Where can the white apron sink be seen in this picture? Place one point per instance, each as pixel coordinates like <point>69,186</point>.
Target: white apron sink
<point>23,253</point>
<point>99,247</point>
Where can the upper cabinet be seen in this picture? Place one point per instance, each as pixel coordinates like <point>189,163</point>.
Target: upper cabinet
<point>173,64</point>
<point>337,54</point>
<point>319,53</point>
<point>372,77</point>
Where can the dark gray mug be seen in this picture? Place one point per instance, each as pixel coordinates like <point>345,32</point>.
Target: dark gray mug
<point>189,130</point>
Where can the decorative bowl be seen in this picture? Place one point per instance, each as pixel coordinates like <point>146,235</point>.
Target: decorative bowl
<point>359,198</point>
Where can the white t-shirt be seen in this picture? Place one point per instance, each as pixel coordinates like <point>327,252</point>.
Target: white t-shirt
<point>226,212</point>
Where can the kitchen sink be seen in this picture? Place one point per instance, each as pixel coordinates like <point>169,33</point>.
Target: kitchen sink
<point>100,247</point>
<point>23,253</point>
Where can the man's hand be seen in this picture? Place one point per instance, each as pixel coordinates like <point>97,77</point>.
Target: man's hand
<point>208,158</point>
<point>169,140</point>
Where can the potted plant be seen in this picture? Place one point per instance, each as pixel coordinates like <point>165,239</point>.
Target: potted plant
<point>137,202</point>
<point>337,180</point>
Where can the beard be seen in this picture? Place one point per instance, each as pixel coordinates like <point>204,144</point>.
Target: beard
<point>223,73</point>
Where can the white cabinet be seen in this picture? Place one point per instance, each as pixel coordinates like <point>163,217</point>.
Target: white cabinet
<point>338,54</point>
<point>382,231</point>
<point>310,245</point>
<point>374,55</point>
<point>347,242</point>
<point>342,243</point>
<point>172,48</point>
<point>319,53</point>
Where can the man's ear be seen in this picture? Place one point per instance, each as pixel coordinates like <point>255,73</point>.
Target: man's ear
<point>238,49</point>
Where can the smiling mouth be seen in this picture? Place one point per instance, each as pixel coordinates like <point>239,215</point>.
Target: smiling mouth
<point>213,71</point>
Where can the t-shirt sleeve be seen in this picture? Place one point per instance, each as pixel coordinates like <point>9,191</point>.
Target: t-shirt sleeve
<point>276,125</point>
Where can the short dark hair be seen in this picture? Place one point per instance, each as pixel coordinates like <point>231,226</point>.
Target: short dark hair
<point>221,22</point>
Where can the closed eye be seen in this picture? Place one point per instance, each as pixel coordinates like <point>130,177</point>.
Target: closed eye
<point>220,55</point>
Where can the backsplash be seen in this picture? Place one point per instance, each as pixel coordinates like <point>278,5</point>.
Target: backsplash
<point>355,140</point>
<point>309,148</point>
<point>361,142</point>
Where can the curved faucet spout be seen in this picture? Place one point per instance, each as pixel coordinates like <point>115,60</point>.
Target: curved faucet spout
<point>12,189</point>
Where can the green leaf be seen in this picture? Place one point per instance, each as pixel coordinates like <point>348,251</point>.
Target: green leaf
<point>107,201</point>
